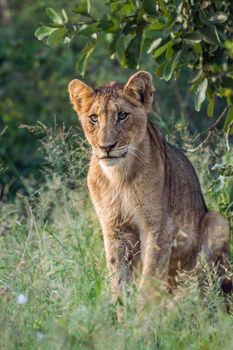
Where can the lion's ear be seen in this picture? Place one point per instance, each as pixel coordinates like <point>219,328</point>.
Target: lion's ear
<point>140,87</point>
<point>80,95</point>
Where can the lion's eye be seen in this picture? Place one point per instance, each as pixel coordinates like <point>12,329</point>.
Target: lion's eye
<point>122,116</point>
<point>93,118</point>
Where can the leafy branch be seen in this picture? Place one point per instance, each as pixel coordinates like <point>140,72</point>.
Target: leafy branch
<point>177,34</point>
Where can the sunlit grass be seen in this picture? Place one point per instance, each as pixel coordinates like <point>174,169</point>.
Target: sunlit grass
<point>55,290</point>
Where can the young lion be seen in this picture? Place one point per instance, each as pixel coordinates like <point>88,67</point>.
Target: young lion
<point>145,191</point>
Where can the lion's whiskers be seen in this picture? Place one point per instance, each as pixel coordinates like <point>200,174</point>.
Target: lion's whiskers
<point>133,151</point>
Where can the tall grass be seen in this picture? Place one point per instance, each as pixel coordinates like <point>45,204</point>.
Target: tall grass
<point>53,278</point>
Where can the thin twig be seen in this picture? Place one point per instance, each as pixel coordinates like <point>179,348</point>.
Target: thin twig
<point>227,135</point>
<point>210,130</point>
<point>3,130</point>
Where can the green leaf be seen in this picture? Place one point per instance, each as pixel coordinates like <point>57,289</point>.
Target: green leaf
<point>155,34</point>
<point>160,69</point>
<point>130,27</point>
<point>228,120</point>
<point>64,15</point>
<point>115,26</point>
<point>179,4</point>
<point>193,38</point>
<point>217,35</point>
<point>83,8</point>
<point>198,49</point>
<point>43,31</point>
<point>104,25</point>
<point>53,15</point>
<point>218,17</point>
<point>163,7</point>
<point>112,46</point>
<point>155,25</point>
<point>197,75</point>
<point>89,29</point>
<point>169,53</point>
<point>115,6</point>
<point>120,49</point>
<point>210,108</point>
<point>155,43</point>
<point>210,36</point>
<point>82,64</point>
<point>56,37</point>
<point>149,6</point>
<point>56,26</point>
<point>128,8</point>
<point>161,49</point>
<point>228,98</point>
<point>171,66</point>
<point>170,23</point>
<point>146,43</point>
<point>200,95</point>
<point>204,20</point>
<point>132,51</point>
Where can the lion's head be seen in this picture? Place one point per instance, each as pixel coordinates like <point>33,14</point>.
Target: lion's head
<point>114,117</point>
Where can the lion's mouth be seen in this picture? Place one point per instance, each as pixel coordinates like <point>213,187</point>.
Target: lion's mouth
<point>109,157</point>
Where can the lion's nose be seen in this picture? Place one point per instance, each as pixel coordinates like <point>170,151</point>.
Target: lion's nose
<point>107,148</point>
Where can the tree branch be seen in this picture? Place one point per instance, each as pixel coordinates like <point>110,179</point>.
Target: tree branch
<point>210,130</point>
<point>227,135</point>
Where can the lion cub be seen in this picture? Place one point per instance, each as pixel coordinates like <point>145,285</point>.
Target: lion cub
<point>145,191</point>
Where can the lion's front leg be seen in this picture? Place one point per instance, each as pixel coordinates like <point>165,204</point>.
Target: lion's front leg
<point>156,253</point>
<point>119,248</point>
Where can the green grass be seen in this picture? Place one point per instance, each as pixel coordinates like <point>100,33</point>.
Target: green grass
<point>52,253</point>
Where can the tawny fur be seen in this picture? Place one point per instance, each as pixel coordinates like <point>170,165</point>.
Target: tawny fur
<point>145,191</point>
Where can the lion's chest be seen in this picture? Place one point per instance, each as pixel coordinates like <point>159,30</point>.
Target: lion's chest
<point>124,203</point>
<point>121,205</point>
